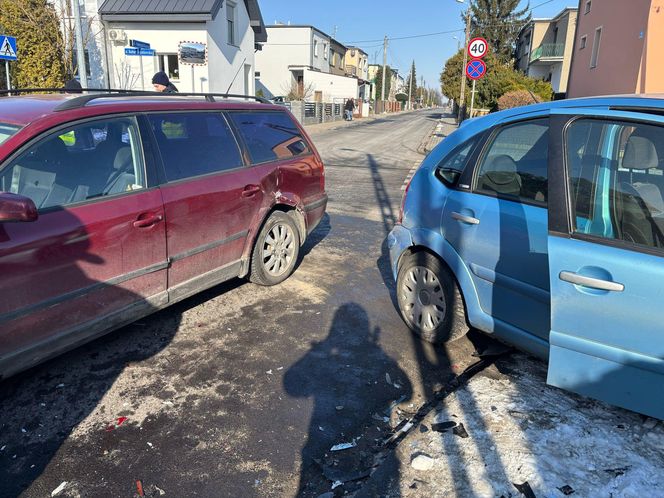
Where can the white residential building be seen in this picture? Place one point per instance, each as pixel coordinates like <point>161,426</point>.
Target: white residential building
<point>298,58</point>
<point>219,38</point>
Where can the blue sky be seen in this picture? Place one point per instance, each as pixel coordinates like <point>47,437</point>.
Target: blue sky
<point>364,22</point>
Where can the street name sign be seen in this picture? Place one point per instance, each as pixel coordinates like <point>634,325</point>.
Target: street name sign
<point>8,48</point>
<point>139,44</point>
<point>477,48</point>
<point>143,52</point>
<point>475,69</point>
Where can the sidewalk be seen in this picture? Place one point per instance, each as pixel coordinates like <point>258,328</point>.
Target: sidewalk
<point>446,125</point>
<point>333,125</point>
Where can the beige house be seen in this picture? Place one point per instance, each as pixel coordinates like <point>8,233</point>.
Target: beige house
<point>618,48</point>
<point>357,63</point>
<point>544,49</point>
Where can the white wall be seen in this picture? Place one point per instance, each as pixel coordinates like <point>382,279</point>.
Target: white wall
<point>332,86</point>
<point>165,39</point>
<point>224,60</point>
<point>556,78</point>
<point>286,46</point>
<point>319,61</point>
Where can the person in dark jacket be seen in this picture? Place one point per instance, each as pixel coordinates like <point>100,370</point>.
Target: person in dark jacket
<point>161,83</point>
<point>349,108</point>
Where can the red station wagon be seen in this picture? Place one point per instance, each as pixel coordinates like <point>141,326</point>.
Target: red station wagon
<point>114,206</point>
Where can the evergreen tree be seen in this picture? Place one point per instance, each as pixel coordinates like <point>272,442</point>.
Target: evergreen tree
<point>413,74</point>
<point>35,25</point>
<point>499,22</point>
<point>379,82</point>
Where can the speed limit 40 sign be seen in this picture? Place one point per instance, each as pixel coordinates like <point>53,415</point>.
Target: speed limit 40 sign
<point>477,48</point>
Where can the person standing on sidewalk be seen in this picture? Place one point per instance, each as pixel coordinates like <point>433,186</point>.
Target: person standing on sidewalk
<point>349,108</point>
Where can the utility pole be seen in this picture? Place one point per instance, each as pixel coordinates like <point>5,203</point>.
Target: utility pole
<point>382,95</point>
<point>410,88</point>
<point>462,99</point>
<point>422,90</point>
<point>80,49</point>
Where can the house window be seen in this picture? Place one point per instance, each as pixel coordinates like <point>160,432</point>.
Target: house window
<point>588,5</point>
<point>230,17</point>
<point>584,40</point>
<point>169,64</point>
<point>596,42</point>
<point>334,58</point>
<point>325,52</point>
<point>86,56</point>
<point>315,48</point>
<point>352,53</point>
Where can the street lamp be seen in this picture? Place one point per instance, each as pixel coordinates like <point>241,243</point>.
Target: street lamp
<point>458,42</point>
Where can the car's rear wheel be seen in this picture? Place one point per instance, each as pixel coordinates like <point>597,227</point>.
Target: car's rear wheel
<point>429,299</point>
<point>276,250</point>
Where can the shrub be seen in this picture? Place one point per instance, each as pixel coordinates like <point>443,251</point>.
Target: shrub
<point>517,98</point>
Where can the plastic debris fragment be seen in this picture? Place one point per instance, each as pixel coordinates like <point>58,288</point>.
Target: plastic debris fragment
<point>59,489</point>
<point>117,423</point>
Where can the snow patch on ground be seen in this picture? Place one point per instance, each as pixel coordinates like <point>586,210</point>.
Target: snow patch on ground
<point>522,430</point>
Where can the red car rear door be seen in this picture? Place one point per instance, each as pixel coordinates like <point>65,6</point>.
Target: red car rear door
<point>210,198</point>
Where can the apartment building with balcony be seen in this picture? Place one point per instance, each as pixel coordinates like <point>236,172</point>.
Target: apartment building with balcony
<point>618,48</point>
<point>544,49</point>
<point>357,63</point>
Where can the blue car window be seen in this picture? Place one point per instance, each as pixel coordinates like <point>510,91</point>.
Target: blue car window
<point>516,163</point>
<point>450,168</point>
<point>616,180</point>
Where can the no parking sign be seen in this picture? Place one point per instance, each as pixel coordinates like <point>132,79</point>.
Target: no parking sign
<point>475,69</point>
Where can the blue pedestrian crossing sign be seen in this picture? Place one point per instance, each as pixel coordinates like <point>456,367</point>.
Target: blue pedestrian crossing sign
<point>8,48</point>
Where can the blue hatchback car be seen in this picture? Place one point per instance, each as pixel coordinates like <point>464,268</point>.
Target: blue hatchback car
<point>543,226</point>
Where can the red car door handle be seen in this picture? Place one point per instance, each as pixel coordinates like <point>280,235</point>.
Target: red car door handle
<point>250,190</point>
<point>147,220</point>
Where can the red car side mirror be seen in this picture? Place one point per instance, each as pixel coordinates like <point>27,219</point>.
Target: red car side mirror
<point>15,207</point>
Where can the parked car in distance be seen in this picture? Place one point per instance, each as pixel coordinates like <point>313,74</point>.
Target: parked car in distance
<point>543,226</point>
<point>113,206</point>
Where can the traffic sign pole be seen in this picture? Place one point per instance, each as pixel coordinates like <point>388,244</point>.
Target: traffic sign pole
<point>140,63</point>
<point>9,80</point>
<point>472,99</point>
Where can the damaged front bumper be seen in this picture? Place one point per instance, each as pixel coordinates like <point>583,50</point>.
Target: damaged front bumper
<point>398,240</point>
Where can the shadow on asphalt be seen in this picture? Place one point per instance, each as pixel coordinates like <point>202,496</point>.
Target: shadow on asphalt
<point>337,373</point>
<point>41,407</point>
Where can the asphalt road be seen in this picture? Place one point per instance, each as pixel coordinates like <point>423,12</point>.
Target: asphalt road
<point>240,390</point>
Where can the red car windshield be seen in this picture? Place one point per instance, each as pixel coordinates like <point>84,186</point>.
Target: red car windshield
<point>6,131</point>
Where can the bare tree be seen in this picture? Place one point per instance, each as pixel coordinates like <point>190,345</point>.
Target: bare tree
<point>126,78</point>
<point>65,13</point>
<point>299,92</point>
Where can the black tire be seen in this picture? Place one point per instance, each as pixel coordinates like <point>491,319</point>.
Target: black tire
<point>431,307</point>
<point>286,251</point>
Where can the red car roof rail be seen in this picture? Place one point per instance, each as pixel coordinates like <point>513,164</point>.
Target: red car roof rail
<point>104,93</point>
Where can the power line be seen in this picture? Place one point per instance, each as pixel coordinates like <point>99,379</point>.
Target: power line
<point>408,37</point>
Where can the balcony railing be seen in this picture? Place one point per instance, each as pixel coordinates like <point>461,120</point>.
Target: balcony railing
<point>548,51</point>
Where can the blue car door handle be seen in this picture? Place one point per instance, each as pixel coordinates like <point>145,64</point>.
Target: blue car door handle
<point>465,219</point>
<point>593,283</point>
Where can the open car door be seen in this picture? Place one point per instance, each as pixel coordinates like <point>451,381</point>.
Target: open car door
<point>606,257</point>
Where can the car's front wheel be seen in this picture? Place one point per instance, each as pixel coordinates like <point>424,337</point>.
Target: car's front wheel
<point>429,299</point>
<point>276,250</point>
